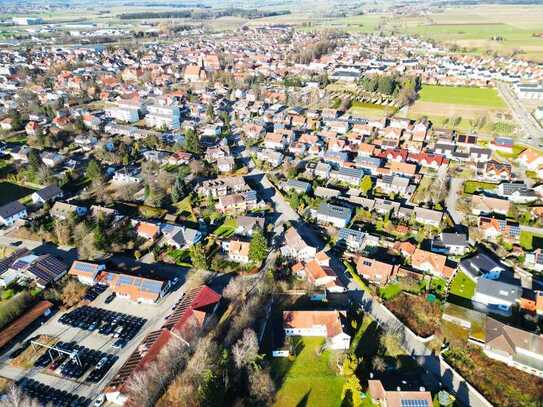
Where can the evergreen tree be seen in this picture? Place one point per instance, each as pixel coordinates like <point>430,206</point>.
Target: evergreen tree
<point>192,142</point>
<point>258,248</point>
<point>94,171</point>
<point>198,257</point>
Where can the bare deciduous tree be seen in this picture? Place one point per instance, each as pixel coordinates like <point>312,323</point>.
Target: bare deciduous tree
<point>245,350</point>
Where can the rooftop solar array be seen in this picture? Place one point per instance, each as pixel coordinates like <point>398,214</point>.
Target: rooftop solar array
<point>85,267</point>
<point>413,403</point>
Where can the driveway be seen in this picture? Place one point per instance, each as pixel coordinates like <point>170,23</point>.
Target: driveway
<point>452,198</point>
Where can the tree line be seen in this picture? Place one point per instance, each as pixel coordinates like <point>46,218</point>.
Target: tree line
<point>203,14</point>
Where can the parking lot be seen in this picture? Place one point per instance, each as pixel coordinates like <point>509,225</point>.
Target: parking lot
<point>92,331</point>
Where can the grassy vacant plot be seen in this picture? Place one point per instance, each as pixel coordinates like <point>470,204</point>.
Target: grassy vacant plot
<point>369,110</point>
<point>10,192</point>
<point>462,286</point>
<point>470,187</point>
<point>421,316</point>
<point>462,108</point>
<point>309,380</point>
<point>461,95</point>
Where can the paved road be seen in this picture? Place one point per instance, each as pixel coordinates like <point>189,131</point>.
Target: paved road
<point>532,133</point>
<point>532,229</point>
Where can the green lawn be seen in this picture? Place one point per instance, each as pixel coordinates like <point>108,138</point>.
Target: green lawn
<point>461,96</point>
<point>470,187</point>
<point>10,192</point>
<point>526,240</point>
<point>227,229</point>
<point>462,286</point>
<point>390,291</point>
<point>308,380</point>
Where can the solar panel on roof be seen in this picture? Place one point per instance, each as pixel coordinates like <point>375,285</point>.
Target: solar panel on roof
<point>413,403</point>
<point>151,286</point>
<point>125,280</point>
<point>85,267</point>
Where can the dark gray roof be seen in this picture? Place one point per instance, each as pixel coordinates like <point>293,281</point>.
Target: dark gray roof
<point>480,264</point>
<point>11,209</point>
<point>335,211</point>
<point>454,239</point>
<point>297,184</point>
<point>499,289</point>
<point>49,192</point>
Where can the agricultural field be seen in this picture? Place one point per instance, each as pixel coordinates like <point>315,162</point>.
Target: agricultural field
<point>461,95</point>
<point>309,380</point>
<point>482,29</point>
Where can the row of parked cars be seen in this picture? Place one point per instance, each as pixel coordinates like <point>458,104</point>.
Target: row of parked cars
<point>72,361</point>
<point>48,395</point>
<point>124,327</point>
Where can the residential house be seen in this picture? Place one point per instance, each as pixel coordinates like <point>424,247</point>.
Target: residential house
<point>275,141</point>
<point>318,272</point>
<point>299,187</point>
<point>374,271</point>
<point>52,159</point>
<point>482,204</point>
<point>63,210</point>
<point>355,240</point>
<point>497,295</point>
<point>428,216</point>
<point>482,265</point>
<point>530,159</point>
<point>295,247</point>
<point>275,158</point>
<point>515,347</point>
<point>147,230</point>
<point>238,202</point>
<point>351,176</point>
<point>397,397</point>
<point>180,237</point>
<point>453,244</point>
<point>493,228</point>
<point>246,225</point>
<point>534,260</point>
<point>516,192</point>
<point>11,212</point>
<point>432,263</point>
<point>223,186</point>
<point>333,214</point>
<point>327,324</point>
<point>226,164</point>
<point>47,194</point>
<point>43,270</point>
<point>322,170</point>
<point>494,171</point>
<point>127,175</point>
<point>394,184</point>
<point>236,250</point>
